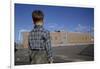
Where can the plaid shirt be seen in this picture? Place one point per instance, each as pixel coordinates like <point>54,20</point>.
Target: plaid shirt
<point>39,38</point>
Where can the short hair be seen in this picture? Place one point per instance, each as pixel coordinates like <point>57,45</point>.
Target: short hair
<point>37,15</point>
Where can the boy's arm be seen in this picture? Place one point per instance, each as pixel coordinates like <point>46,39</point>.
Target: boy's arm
<point>29,41</point>
<point>48,47</point>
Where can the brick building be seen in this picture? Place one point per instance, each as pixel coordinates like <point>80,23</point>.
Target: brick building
<point>63,38</point>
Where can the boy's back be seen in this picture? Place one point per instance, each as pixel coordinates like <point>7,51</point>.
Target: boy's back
<point>39,38</point>
<point>40,41</point>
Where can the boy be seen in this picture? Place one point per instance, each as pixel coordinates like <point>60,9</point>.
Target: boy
<point>39,40</point>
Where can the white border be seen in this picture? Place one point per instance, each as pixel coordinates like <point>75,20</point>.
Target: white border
<point>75,3</point>
<point>12,35</point>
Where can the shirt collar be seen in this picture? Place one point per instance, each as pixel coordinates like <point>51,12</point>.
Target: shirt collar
<point>38,26</point>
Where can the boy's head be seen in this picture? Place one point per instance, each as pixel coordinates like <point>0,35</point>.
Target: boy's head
<point>37,16</point>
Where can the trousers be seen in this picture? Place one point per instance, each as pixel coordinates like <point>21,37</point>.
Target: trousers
<point>39,57</point>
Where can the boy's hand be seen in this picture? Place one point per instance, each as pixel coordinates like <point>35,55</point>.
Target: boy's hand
<point>51,60</point>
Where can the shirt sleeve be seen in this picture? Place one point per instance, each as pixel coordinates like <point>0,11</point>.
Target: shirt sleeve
<point>48,46</point>
<point>29,40</point>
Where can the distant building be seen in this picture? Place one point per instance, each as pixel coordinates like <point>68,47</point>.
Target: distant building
<point>63,38</point>
<point>25,39</point>
<point>71,38</point>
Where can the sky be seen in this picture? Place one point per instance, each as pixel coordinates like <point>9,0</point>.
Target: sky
<point>68,19</point>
